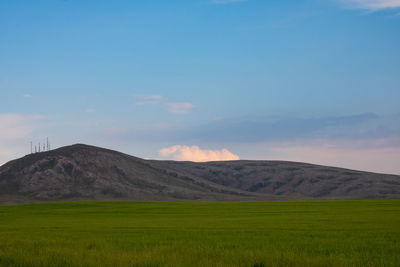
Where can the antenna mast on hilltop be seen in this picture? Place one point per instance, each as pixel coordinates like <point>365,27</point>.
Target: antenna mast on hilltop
<point>47,144</point>
<point>40,147</point>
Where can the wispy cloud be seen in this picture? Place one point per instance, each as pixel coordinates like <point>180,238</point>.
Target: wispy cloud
<point>194,153</point>
<point>371,5</point>
<point>15,128</point>
<point>27,96</point>
<point>90,110</point>
<point>142,100</point>
<point>172,107</point>
<point>180,108</point>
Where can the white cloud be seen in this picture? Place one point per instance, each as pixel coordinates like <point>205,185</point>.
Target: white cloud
<point>142,100</point>
<point>194,153</point>
<point>27,96</point>
<point>180,108</point>
<point>372,5</point>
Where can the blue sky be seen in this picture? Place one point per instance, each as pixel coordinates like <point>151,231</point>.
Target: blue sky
<point>315,81</point>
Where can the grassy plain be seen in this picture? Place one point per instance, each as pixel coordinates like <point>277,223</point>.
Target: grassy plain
<point>302,233</point>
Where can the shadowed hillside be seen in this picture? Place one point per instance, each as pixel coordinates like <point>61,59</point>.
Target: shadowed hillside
<point>82,172</point>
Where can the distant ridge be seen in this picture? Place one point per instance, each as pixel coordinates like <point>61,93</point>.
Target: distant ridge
<point>83,172</point>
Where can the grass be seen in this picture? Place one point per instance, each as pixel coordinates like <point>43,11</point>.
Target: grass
<point>303,233</point>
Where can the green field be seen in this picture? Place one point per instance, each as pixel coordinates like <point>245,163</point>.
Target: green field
<point>313,233</point>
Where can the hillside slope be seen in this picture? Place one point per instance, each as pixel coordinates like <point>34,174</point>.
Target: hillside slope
<point>82,172</point>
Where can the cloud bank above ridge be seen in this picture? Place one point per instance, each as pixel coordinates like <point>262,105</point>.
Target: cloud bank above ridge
<point>194,153</point>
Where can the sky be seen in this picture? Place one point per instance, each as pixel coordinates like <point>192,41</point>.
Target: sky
<point>314,81</point>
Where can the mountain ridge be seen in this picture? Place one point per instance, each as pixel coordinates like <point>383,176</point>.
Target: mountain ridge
<point>84,172</point>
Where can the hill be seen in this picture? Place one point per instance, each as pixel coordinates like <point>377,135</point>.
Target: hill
<point>82,172</point>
